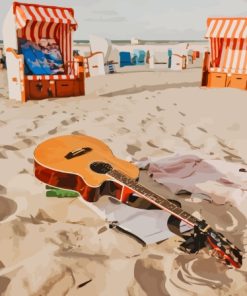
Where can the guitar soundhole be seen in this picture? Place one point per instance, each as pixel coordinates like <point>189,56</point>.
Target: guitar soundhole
<point>100,167</point>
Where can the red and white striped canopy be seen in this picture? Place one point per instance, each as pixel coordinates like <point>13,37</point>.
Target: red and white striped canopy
<point>227,28</point>
<point>228,42</point>
<point>44,14</point>
<point>34,22</point>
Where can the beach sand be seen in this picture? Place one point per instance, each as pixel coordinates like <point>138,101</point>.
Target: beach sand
<point>53,246</point>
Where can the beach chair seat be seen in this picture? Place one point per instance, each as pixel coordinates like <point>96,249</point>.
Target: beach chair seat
<point>47,86</point>
<point>159,60</point>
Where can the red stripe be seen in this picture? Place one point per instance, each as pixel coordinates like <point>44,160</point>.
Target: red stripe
<point>221,40</point>
<point>24,35</point>
<point>32,32</point>
<point>69,45</point>
<point>63,44</point>
<point>40,14</point>
<point>48,30</point>
<point>56,32</point>
<point>64,15</point>
<point>234,46</point>
<point>55,13</point>
<point>242,31</point>
<point>48,14</point>
<point>36,32</point>
<point>31,13</point>
<point>41,29</point>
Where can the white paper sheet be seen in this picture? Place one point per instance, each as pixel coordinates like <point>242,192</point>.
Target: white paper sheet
<point>148,225</point>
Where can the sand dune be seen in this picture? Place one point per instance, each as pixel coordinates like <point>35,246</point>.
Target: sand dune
<point>55,246</point>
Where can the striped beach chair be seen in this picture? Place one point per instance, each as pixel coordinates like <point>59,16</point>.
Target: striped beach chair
<point>34,22</point>
<point>226,63</point>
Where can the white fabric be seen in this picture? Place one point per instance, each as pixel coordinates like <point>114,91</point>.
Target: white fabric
<point>149,225</point>
<point>221,181</point>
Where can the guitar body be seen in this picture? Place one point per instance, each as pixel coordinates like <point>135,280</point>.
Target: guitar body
<point>53,168</point>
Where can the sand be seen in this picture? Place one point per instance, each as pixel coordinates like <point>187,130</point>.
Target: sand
<point>59,246</point>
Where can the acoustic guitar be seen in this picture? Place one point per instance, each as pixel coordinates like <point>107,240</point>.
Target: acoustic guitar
<point>88,166</point>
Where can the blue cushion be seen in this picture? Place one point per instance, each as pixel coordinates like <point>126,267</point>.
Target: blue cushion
<point>125,58</point>
<point>32,63</point>
<point>53,55</point>
<point>139,57</point>
<point>42,59</point>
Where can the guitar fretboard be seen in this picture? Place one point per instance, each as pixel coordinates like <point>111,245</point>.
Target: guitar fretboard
<point>154,198</point>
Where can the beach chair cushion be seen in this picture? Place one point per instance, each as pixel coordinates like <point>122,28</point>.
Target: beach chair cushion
<point>41,58</point>
<point>139,57</point>
<point>35,62</point>
<point>53,55</point>
<point>125,58</point>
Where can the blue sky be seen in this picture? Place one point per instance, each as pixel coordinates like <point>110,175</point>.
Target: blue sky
<point>145,19</point>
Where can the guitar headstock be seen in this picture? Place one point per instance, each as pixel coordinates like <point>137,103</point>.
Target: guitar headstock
<point>223,248</point>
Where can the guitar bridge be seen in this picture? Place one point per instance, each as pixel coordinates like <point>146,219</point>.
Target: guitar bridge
<point>78,152</point>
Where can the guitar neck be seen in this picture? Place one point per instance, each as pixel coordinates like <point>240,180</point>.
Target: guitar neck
<point>154,198</point>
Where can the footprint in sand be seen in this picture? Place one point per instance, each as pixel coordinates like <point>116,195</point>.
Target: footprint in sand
<point>158,108</point>
<point>74,119</point>
<point>40,116</point>
<point>65,122</point>
<point>120,118</point>
<point>2,122</point>
<point>131,149</point>
<point>183,114</point>
<point>30,160</point>
<point>201,129</point>
<point>7,207</point>
<point>53,131</point>
<point>9,147</point>
<point>3,155</point>
<point>162,128</point>
<point>2,189</point>
<point>100,118</point>
<point>151,144</point>
<point>4,282</point>
<point>123,131</point>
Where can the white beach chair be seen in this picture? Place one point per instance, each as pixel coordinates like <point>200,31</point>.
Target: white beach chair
<point>100,44</point>
<point>94,64</point>
<point>158,60</point>
<point>178,62</point>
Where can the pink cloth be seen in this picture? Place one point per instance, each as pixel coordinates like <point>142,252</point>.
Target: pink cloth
<point>218,179</point>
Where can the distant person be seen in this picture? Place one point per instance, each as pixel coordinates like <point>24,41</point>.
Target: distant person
<point>75,53</point>
<point>2,59</point>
